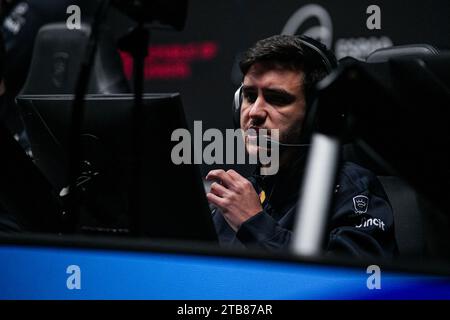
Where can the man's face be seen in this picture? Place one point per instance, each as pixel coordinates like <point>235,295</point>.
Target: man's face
<point>272,99</point>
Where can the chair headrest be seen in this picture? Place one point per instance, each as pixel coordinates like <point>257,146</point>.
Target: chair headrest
<point>412,50</point>
<point>57,58</point>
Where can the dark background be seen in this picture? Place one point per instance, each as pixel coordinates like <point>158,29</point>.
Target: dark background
<point>200,62</point>
<point>236,24</point>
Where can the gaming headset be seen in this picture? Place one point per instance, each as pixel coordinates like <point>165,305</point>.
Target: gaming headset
<point>327,60</point>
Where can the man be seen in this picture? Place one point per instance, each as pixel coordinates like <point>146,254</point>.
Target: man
<point>279,73</point>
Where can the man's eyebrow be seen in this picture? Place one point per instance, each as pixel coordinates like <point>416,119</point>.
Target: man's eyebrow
<point>269,90</point>
<point>278,91</point>
<point>247,87</point>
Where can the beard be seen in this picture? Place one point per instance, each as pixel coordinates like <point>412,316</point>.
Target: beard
<point>292,135</point>
<point>255,144</point>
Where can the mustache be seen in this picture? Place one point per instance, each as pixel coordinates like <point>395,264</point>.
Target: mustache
<point>258,129</point>
<point>262,134</point>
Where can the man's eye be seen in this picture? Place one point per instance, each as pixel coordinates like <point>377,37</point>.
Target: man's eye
<point>278,99</point>
<point>250,96</point>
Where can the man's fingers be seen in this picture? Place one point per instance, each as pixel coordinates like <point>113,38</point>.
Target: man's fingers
<point>215,200</point>
<point>234,175</point>
<point>219,190</point>
<point>240,183</point>
<point>220,175</point>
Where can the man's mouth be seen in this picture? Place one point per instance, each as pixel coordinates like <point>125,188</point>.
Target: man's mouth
<point>254,131</point>
<point>257,135</point>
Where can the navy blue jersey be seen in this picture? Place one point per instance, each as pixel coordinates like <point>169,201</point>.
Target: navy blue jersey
<point>361,222</point>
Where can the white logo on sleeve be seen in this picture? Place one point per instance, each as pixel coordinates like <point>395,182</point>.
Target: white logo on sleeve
<point>366,223</point>
<point>360,204</point>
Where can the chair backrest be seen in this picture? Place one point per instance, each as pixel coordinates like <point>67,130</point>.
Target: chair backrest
<point>405,202</point>
<point>411,50</point>
<point>408,217</point>
<point>57,57</point>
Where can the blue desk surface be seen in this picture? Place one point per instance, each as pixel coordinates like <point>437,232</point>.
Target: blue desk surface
<point>42,272</point>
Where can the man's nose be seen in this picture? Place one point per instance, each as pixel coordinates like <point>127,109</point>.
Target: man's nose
<point>258,111</point>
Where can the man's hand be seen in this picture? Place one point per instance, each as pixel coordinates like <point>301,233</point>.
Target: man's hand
<point>234,195</point>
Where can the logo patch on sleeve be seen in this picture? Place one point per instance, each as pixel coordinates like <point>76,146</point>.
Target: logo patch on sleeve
<point>262,196</point>
<point>360,204</point>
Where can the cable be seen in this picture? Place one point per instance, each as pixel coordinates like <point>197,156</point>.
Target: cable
<point>288,144</point>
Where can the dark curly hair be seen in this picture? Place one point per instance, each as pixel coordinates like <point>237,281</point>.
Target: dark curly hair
<point>289,52</point>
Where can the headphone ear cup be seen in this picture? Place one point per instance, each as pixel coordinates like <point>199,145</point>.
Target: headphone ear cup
<point>330,63</point>
<point>236,108</point>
